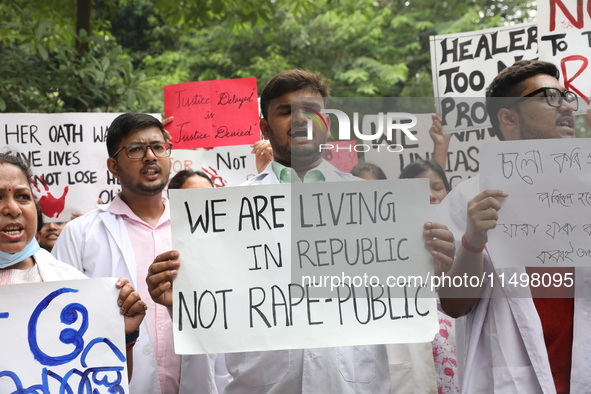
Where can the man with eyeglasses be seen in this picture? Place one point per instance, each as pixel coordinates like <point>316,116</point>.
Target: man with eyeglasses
<point>515,345</point>
<point>123,238</point>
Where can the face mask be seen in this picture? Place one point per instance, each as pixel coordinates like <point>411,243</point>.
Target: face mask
<point>8,259</point>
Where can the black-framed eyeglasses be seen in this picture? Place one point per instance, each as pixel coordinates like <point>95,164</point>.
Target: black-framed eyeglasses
<point>138,151</point>
<point>553,97</point>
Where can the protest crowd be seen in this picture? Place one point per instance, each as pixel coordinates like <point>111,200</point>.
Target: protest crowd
<point>489,338</point>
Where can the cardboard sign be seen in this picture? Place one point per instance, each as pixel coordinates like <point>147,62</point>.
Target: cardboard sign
<point>464,64</point>
<point>212,113</point>
<point>253,296</point>
<point>545,221</point>
<point>564,28</point>
<point>62,337</point>
<point>68,157</point>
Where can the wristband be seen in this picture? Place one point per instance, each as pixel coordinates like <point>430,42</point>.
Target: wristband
<point>129,338</point>
<point>469,247</point>
<point>130,345</point>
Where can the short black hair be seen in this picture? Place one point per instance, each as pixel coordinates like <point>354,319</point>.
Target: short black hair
<point>179,179</point>
<point>39,216</point>
<point>368,167</point>
<point>292,81</point>
<point>419,166</point>
<point>125,124</point>
<point>508,83</point>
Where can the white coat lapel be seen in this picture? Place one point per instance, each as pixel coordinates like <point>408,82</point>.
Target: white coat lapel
<point>119,236</point>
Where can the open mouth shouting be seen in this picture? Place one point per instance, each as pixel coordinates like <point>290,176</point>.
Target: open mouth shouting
<point>13,231</point>
<point>299,135</point>
<point>151,171</point>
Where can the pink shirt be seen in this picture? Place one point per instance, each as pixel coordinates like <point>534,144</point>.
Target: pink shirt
<point>147,243</point>
<point>9,276</point>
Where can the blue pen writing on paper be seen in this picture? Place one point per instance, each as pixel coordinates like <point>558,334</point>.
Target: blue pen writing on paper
<point>96,379</point>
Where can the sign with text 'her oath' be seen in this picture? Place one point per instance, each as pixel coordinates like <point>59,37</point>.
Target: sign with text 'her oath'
<point>546,219</point>
<point>212,113</point>
<point>68,155</point>
<point>62,337</point>
<point>301,266</point>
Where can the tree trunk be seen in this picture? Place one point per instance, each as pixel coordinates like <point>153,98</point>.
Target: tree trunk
<point>82,22</point>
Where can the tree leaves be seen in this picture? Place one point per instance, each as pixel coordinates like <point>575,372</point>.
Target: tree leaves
<point>45,73</point>
<point>363,47</point>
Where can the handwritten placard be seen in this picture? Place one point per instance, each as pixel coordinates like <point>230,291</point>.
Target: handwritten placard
<point>229,165</point>
<point>62,337</point>
<point>212,113</point>
<point>68,156</point>
<point>546,220</point>
<point>247,298</point>
<point>464,64</point>
<point>185,159</point>
<point>463,155</point>
<point>565,28</point>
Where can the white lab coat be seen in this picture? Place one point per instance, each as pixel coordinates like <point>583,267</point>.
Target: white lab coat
<point>343,370</point>
<point>98,245</point>
<point>500,341</point>
<point>52,270</point>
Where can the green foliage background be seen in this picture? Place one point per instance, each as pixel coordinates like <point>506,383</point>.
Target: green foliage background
<point>135,47</point>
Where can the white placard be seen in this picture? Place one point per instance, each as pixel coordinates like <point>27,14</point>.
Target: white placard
<point>185,159</point>
<point>546,220</point>
<point>62,336</point>
<point>68,157</point>
<point>229,165</point>
<point>463,155</point>
<point>464,64</point>
<point>564,39</point>
<point>236,290</point>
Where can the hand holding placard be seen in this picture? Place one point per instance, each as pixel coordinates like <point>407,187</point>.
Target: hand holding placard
<point>544,222</point>
<point>160,276</point>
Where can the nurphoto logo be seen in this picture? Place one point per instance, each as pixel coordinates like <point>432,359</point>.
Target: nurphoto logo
<point>384,124</point>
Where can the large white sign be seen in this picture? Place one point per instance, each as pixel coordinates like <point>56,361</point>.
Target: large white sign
<point>252,257</point>
<point>546,219</point>
<point>62,337</point>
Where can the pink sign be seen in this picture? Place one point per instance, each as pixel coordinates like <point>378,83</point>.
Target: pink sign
<point>342,155</point>
<point>212,113</point>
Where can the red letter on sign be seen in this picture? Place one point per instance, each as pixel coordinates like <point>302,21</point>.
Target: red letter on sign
<point>578,23</point>
<point>568,81</point>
